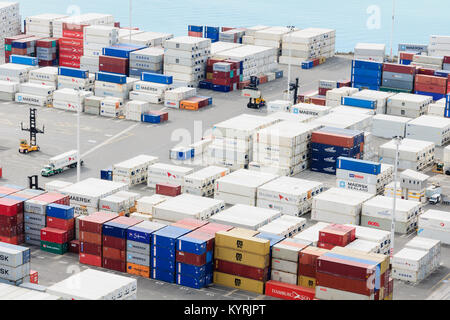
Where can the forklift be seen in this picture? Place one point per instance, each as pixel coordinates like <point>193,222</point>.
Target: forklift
<point>438,167</point>
<point>26,148</point>
<point>252,92</point>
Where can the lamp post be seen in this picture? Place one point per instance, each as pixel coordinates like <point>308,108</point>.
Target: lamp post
<point>392,29</point>
<point>291,29</point>
<point>398,141</point>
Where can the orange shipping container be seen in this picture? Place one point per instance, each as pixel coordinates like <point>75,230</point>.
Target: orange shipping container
<point>431,80</point>
<point>91,237</point>
<point>431,88</point>
<point>114,254</point>
<point>138,270</point>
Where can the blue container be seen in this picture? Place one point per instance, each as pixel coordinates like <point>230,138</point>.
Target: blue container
<point>274,239</point>
<point>442,73</point>
<point>164,264</point>
<point>372,81</point>
<point>111,77</point>
<point>139,234</point>
<point>13,197</point>
<point>367,73</point>
<point>114,229</point>
<point>192,270</point>
<point>405,62</point>
<point>447,106</point>
<point>121,50</point>
<point>359,102</point>
<point>335,150</point>
<point>212,29</point>
<point>25,60</point>
<point>74,73</point>
<point>60,211</point>
<point>156,78</point>
<point>436,96</point>
<point>150,118</point>
<point>205,85</point>
<point>362,86</point>
<point>191,282</point>
<point>325,159</point>
<point>279,74</point>
<point>195,28</point>
<point>19,45</point>
<point>358,165</point>
<point>167,237</point>
<point>163,253</point>
<point>208,279</point>
<point>220,88</point>
<point>319,166</point>
<point>307,65</point>
<point>369,65</point>
<point>209,256</point>
<point>106,174</point>
<point>163,275</point>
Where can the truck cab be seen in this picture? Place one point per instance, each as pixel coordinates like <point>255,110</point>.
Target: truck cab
<point>435,199</point>
<point>50,170</point>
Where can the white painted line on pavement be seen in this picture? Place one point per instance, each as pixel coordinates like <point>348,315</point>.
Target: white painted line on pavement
<point>110,139</point>
<point>92,141</point>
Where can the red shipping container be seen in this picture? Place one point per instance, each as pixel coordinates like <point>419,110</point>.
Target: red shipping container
<point>406,56</point>
<point>168,189</point>
<point>34,277</point>
<point>91,237</point>
<point>210,62</point>
<point>60,224</point>
<point>94,222</point>
<point>345,83</point>
<point>222,82</point>
<point>91,260</point>
<point>9,221</point>
<point>316,62</point>
<point>376,295</point>
<point>12,240</point>
<point>332,139</point>
<point>288,291</point>
<point>323,91</point>
<point>425,71</point>
<point>114,61</point>
<point>9,40</point>
<point>114,254</point>
<point>12,231</point>
<point>318,101</point>
<point>116,265</point>
<point>431,80</point>
<point>70,57</point>
<point>71,30</point>
<point>69,64</point>
<point>227,29</point>
<point>190,258</point>
<point>74,246</point>
<point>430,88</point>
<point>90,248</point>
<point>43,63</point>
<point>391,286</point>
<point>221,75</point>
<point>308,260</point>
<point>399,68</point>
<point>212,228</point>
<point>69,42</point>
<point>324,245</point>
<point>241,270</point>
<point>46,42</point>
<point>195,34</point>
<point>338,235</point>
<point>113,242</point>
<point>347,268</point>
<point>243,84</point>
<point>193,222</point>
<point>10,207</point>
<point>54,235</point>
<point>345,284</point>
<point>69,50</point>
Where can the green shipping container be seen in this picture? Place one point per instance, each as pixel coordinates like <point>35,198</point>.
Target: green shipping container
<point>8,47</point>
<point>54,248</point>
<point>386,89</point>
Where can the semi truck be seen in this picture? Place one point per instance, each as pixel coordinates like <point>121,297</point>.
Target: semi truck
<point>60,163</point>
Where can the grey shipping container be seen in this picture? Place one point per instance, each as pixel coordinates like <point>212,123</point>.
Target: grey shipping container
<point>398,84</point>
<point>398,76</point>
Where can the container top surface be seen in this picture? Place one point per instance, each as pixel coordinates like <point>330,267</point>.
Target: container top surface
<point>411,174</point>
<point>386,117</point>
<point>410,254</point>
<point>436,215</point>
<point>431,121</point>
<point>291,185</point>
<point>93,187</point>
<point>248,178</point>
<point>387,203</point>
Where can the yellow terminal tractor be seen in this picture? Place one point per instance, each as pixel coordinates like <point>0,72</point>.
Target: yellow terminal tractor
<point>251,91</point>
<point>26,148</point>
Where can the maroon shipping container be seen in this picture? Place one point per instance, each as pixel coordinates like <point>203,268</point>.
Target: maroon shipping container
<point>11,231</point>
<point>399,68</point>
<point>168,189</point>
<point>91,237</point>
<point>345,284</point>
<point>9,221</point>
<point>222,82</point>
<point>337,235</point>
<point>221,75</point>
<point>318,101</point>
<point>113,242</point>
<point>332,139</point>
<point>55,235</point>
<point>115,254</point>
<point>94,222</point>
<point>241,270</point>
<point>90,248</point>
<point>116,265</point>
<point>192,259</point>
<point>430,88</point>
<point>324,245</point>
<point>323,91</point>
<point>210,62</point>
<point>446,59</point>
<point>346,268</point>
<point>46,42</point>
<point>308,260</point>
<point>10,207</point>
<point>429,72</point>
<point>431,80</point>
<point>9,40</point>
<point>406,56</point>
<point>113,64</point>
<point>74,246</point>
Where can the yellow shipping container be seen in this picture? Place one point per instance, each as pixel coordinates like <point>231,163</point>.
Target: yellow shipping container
<point>241,257</point>
<point>209,75</point>
<point>307,282</point>
<point>243,232</point>
<point>389,297</point>
<point>322,60</point>
<point>231,281</point>
<point>382,259</point>
<point>238,241</point>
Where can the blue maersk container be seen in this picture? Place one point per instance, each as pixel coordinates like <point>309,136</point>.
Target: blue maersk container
<point>25,60</point>
<point>359,102</point>
<point>358,165</point>
<point>156,78</point>
<point>72,72</point>
<point>60,211</point>
<point>435,96</point>
<point>111,77</point>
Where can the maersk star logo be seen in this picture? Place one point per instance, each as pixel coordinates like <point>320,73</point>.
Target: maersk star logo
<point>19,98</point>
<point>342,184</point>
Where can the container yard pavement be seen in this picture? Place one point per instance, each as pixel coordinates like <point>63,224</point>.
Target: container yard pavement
<point>105,141</point>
